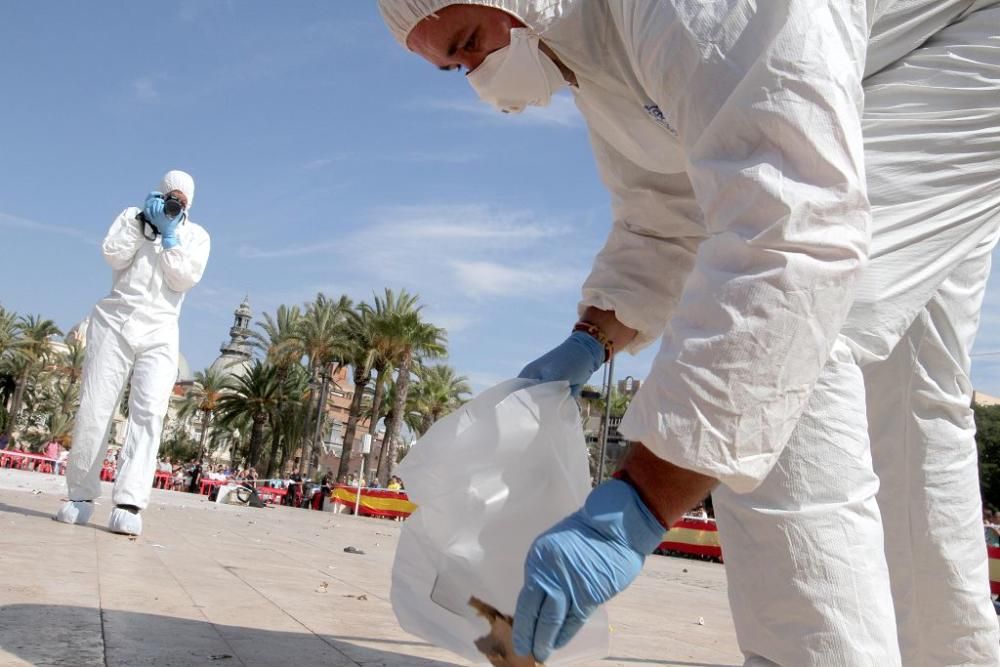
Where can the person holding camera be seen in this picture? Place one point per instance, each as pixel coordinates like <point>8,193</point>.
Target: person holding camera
<point>156,254</point>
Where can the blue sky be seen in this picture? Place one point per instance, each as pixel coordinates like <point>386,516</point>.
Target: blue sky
<point>326,159</point>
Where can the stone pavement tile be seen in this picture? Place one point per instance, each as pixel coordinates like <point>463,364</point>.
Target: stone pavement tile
<point>49,596</point>
<point>210,584</point>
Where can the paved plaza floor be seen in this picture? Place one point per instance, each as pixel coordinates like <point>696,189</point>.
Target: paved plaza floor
<point>210,584</point>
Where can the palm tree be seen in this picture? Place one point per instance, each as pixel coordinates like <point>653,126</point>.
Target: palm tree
<point>29,354</point>
<point>278,340</point>
<point>254,395</point>
<point>413,417</point>
<point>288,419</point>
<point>412,338</point>
<point>9,334</point>
<point>59,402</point>
<point>203,399</point>
<point>439,390</point>
<point>277,337</point>
<point>384,350</point>
<point>360,355</point>
<point>320,338</point>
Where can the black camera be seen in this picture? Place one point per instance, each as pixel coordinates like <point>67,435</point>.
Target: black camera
<point>172,207</point>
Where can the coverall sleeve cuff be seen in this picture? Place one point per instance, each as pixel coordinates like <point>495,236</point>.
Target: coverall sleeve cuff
<point>643,423</point>
<point>646,332</point>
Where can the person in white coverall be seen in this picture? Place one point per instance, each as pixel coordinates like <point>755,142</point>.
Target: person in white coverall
<point>156,258</point>
<point>806,194</point>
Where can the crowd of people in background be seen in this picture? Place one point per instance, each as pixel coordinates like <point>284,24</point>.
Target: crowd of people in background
<point>300,491</point>
<point>52,455</point>
<point>991,524</point>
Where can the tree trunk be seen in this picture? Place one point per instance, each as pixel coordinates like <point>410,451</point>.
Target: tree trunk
<point>361,379</point>
<point>320,415</point>
<point>205,416</point>
<point>383,372</point>
<point>256,438</point>
<point>16,404</point>
<point>306,447</point>
<point>398,408</point>
<point>275,445</point>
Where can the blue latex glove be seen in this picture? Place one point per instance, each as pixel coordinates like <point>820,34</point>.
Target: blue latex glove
<point>574,360</point>
<point>153,208</point>
<point>169,231</point>
<point>581,563</point>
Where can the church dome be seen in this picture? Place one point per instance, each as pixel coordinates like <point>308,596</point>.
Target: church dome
<point>229,365</point>
<point>236,352</point>
<point>184,373</point>
<point>244,309</point>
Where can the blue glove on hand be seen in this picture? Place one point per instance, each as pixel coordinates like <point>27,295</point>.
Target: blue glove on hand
<point>581,563</point>
<point>153,209</point>
<point>574,360</point>
<point>169,231</point>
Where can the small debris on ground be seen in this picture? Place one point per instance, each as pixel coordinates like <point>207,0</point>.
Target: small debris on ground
<point>701,620</point>
<point>35,492</point>
<point>362,598</point>
<point>220,656</point>
<point>132,538</point>
<point>159,546</point>
<point>323,587</point>
<point>353,550</point>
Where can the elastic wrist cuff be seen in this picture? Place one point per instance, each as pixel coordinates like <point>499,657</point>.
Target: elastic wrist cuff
<point>597,334</point>
<point>643,530</point>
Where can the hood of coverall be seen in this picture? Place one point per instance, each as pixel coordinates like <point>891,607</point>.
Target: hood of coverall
<point>179,180</point>
<point>539,15</point>
<point>561,24</point>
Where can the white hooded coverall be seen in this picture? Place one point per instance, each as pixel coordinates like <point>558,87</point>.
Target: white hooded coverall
<point>134,329</point>
<point>806,194</point>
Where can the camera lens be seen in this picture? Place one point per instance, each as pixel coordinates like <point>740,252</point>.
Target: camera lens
<point>172,207</point>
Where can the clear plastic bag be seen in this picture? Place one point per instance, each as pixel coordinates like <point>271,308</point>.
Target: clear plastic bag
<point>487,480</point>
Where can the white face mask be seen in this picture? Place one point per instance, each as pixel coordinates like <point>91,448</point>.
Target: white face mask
<point>517,75</point>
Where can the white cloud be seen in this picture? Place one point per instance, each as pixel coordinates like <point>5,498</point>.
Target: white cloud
<point>452,322</point>
<point>301,250</point>
<point>478,279</point>
<point>414,157</point>
<point>15,222</point>
<point>561,111</point>
<point>433,156</point>
<point>145,90</point>
<point>317,164</point>
<point>465,223</point>
<point>482,380</point>
<point>466,257</point>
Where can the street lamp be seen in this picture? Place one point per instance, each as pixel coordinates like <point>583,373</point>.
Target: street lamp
<point>609,377</point>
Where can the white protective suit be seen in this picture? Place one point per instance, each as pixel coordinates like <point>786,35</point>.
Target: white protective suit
<point>806,195</point>
<point>134,329</point>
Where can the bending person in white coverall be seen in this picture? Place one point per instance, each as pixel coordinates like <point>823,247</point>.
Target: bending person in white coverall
<point>806,195</point>
<point>157,255</point>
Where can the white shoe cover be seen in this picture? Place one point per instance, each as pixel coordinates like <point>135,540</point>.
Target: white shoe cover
<point>75,511</point>
<point>124,522</point>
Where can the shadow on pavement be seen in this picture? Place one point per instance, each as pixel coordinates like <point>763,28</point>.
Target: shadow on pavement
<point>84,637</point>
<point>13,509</point>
